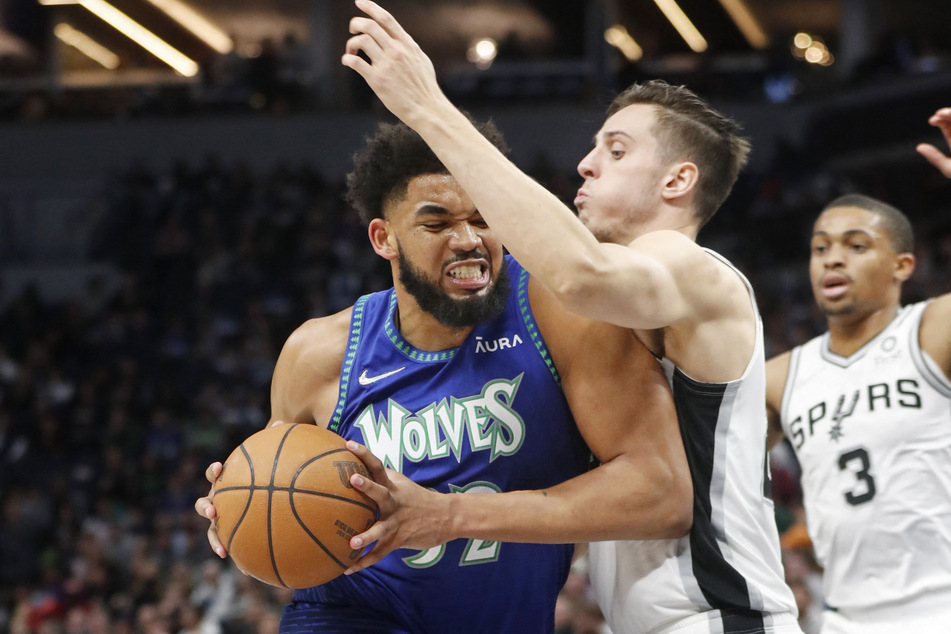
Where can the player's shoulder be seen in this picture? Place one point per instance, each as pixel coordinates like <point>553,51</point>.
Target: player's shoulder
<point>319,341</point>
<point>934,332</point>
<point>667,242</point>
<point>938,310</point>
<point>691,263</point>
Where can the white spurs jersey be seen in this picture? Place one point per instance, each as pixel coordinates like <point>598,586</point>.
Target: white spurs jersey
<point>872,433</point>
<point>726,576</point>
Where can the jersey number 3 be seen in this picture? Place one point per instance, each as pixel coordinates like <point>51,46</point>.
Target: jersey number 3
<point>865,488</point>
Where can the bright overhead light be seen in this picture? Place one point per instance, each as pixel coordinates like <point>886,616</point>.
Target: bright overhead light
<point>196,24</point>
<point>618,37</point>
<point>684,26</point>
<point>142,36</point>
<point>86,45</point>
<point>482,52</point>
<point>746,23</point>
<point>802,40</point>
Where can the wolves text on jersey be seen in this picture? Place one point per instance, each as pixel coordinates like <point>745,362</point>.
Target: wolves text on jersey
<point>487,419</point>
<point>836,411</point>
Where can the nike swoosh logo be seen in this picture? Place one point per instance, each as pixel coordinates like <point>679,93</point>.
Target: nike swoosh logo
<point>367,380</point>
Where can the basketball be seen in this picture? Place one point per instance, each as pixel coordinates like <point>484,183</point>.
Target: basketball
<point>286,509</point>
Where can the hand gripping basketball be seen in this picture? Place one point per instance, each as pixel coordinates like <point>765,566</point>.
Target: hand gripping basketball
<point>285,508</point>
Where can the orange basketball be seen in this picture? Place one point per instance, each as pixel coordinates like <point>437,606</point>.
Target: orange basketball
<point>286,509</point>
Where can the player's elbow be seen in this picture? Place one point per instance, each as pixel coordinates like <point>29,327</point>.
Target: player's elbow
<point>580,285</point>
<point>675,508</point>
<point>680,517</point>
<point>661,506</point>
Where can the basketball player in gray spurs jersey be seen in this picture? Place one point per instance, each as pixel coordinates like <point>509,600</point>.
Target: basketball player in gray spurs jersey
<point>867,409</point>
<point>662,164</point>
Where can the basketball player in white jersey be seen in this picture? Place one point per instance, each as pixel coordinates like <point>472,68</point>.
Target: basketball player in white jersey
<point>662,164</point>
<point>867,409</point>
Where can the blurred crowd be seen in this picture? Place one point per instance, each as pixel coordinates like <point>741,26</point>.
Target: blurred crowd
<point>113,402</point>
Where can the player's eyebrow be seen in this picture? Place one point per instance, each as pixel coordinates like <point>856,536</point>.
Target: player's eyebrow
<point>610,134</point>
<point>431,209</point>
<point>848,233</point>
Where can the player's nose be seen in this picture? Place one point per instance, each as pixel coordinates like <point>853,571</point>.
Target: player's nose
<point>588,167</point>
<point>465,237</point>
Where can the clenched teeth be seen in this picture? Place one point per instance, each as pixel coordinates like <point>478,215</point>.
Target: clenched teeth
<point>466,272</point>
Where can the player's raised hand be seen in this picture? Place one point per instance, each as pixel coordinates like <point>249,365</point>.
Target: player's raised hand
<point>205,507</point>
<point>942,120</point>
<point>411,516</point>
<point>398,70</point>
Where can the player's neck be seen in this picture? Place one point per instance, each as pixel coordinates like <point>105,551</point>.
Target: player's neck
<point>423,331</point>
<point>848,333</point>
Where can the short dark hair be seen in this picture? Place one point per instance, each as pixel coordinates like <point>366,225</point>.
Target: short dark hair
<point>688,128</point>
<point>900,234</point>
<point>390,159</point>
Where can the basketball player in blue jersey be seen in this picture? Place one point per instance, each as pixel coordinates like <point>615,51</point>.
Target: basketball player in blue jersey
<point>867,409</point>
<point>662,164</point>
<point>460,378</point>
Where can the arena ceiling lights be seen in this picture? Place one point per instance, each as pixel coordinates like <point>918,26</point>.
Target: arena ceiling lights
<point>182,14</point>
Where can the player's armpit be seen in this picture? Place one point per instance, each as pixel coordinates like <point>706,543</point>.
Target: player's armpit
<point>777,369</point>
<point>305,383</point>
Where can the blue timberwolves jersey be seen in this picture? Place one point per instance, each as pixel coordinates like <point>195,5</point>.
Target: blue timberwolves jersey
<point>487,416</point>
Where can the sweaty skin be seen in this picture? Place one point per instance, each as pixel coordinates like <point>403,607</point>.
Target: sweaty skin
<point>617,391</point>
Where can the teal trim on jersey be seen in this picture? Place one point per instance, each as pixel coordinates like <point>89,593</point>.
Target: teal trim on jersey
<point>525,310</point>
<point>356,323</point>
<point>393,334</point>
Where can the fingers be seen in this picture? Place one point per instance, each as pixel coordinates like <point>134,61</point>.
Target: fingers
<point>374,465</point>
<point>215,542</point>
<point>379,493</point>
<point>936,158</point>
<point>206,508</point>
<point>383,18</point>
<point>374,35</point>
<point>365,43</point>
<point>370,28</point>
<point>374,534</point>
<point>213,471</point>
<point>366,561</point>
<point>941,117</point>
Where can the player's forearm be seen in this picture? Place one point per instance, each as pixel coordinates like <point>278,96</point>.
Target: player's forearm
<point>610,502</point>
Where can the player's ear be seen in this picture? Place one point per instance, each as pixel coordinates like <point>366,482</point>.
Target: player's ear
<point>383,241</point>
<point>681,179</point>
<point>904,266</point>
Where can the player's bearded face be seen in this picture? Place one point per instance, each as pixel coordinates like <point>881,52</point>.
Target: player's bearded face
<point>451,311</point>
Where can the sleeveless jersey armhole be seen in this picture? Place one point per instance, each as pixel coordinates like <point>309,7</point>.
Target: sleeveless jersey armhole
<point>525,312</point>
<point>353,342</point>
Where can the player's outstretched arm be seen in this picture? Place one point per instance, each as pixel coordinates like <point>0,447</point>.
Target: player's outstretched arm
<point>608,282</point>
<point>942,120</point>
<point>935,334</point>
